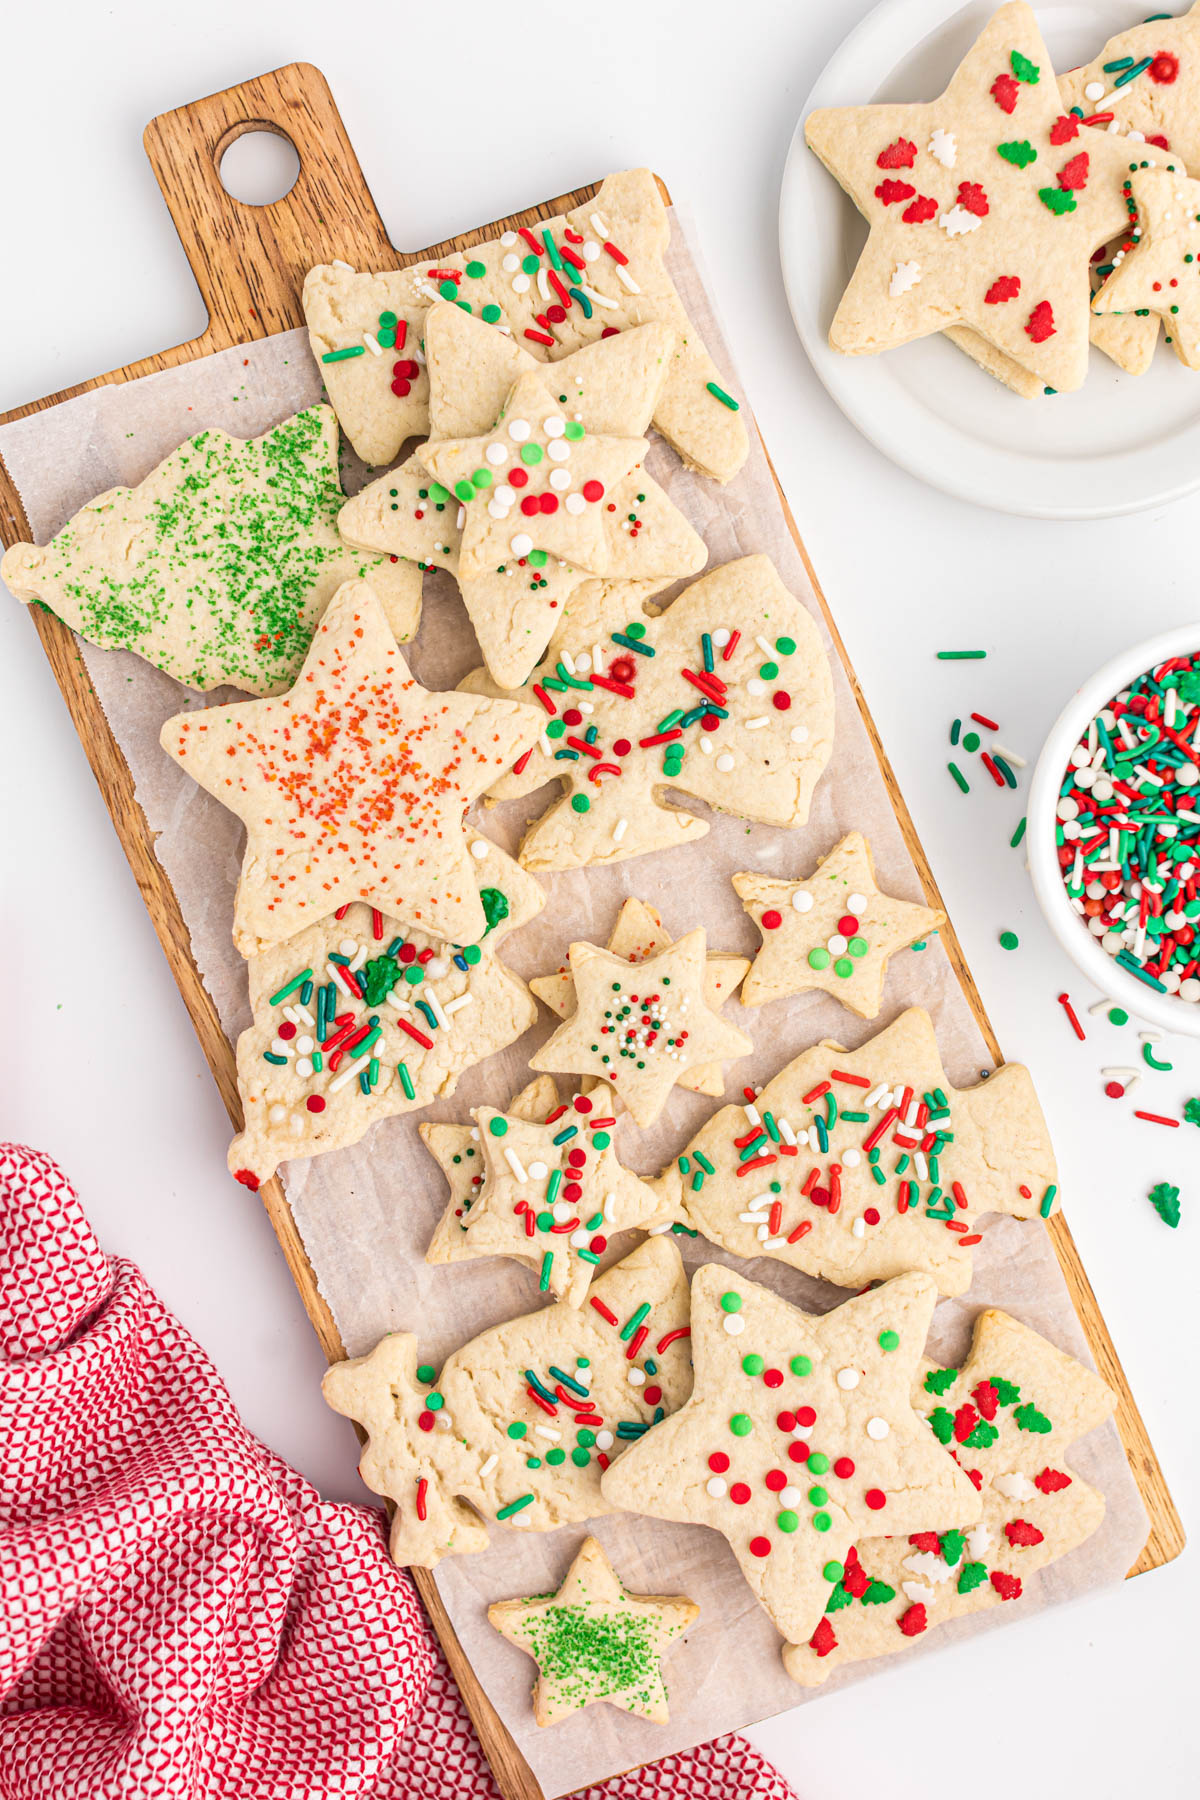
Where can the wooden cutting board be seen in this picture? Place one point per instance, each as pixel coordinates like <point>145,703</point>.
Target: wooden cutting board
<point>250,263</point>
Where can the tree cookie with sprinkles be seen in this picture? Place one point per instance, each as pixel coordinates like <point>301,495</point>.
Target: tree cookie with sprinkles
<point>639,933</point>
<point>353,785</point>
<point>1160,275</point>
<point>727,696</point>
<point>359,1018</point>
<point>218,565</point>
<point>552,287</point>
<point>835,931</point>
<point>593,1640</point>
<point>1008,1416</point>
<point>641,1025</point>
<point>800,1438</point>
<point>522,1422</point>
<point>855,1165</point>
<point>515,602</point>
<point>549,1191</point>
<point>984,207</point>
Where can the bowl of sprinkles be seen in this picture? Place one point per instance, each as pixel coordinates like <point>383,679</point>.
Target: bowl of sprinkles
<point>1114,830</point>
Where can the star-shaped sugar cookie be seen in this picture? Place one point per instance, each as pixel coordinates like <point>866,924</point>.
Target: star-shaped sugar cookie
<point>1009,1416</point>
<point>835,931</point>
<point>1161,274</point>
<point>800,1438</point>
<point>638,933</point>
<point>549,1191</point>
<point>217,566</point>
<point>594,1640</point>
<point>353,785</point>
<point>640,1025</point>
<point>984,207</point>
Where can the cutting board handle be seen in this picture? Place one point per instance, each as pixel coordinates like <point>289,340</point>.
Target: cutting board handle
<point>250,261</point>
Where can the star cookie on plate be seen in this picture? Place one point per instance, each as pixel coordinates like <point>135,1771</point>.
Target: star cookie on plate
<point>637,934</point>
<point>353,785</point>
<point>640,1025</point>
<point>1161,274</point>
<point>217,566</point>
<point>984,207</point>
<point>594,1640</point>
<point>800,1438</point>
<point>834,931</point>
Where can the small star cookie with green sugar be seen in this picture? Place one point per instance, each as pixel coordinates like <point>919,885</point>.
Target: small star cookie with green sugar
<point>984,207</point>
<point>354,784</point>
<point>638,933</point>
<point>218,565</point>
<point>835,931</point>
<point>800,1438</point>
<point>1162,273</point>
<point>1009,1416</point>
<point>594,1640</point>
<point>640,1025</point>
<point>549,1191</point>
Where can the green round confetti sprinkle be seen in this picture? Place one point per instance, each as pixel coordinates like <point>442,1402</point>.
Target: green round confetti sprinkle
<point>787,1521</point>
<point>536,559</point>
<point>414,974</point>
<point>533,1462</point>
<point>517,1429</point>
<point>426,1373</point>
<point>585,1438</point>
<point>889,1340</point>
<point>970,741</point>
<point>741,1424</point>
<point>801,1365</point>
<point>753,1364</point>
<point>769,671</point>
<point>583,1362</point>
<point>637,629</point>
<point>490,314</point>
<point>472,954</point>
<point>387,340</point>
<point>1117,1015</point>
<point>818,1463</point>
<point>529,264</point>
<point>580,1458</point>
<point>476,270</point>
<point>388,320</point>
<point>434,1401</point>
<point>532,453</point>
<point>556,1456</point>
<point>574,430</point>
<point>818,958</point>
<point>817,1496</point>
<point>498,1127</point>
<point>465,490</point>
<point>731,1302</point>
<point>555,728</point>
<point>858,946</point>
<point>821,1521</point>
<point>1009,940</point>
<point>448,290</point>
<point>601,1139</point>
<point>545,1221</point>
<point>786,646</point>
<point>843,967</point>
<point>833,1571</point>
<point>580,803</point>
<point>481,478</point>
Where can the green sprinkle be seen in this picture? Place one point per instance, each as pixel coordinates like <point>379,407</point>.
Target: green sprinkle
<point>547,1265</point>
<point>801,1365</point>
<point>889,1340</point>
<point>959,777</point>
<point>514,1506</point>
<point>633,1321</point>
<point>1047,1201</point>
<point>741,1424</point>
<point>1009,940</point>
<point>1018,834</point>
<point>344,355</point>
<point>961,655</point>
<point>720,394</point>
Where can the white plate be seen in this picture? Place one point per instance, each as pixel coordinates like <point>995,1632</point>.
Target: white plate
<point>1117,445</point>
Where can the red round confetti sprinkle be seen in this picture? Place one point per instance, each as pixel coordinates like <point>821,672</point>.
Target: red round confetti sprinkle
<point>556,314</point>
<point>806,1415</point>
<point>710,722</point>
<point>1114,1090</point>
<point>843,1468</point>
<point>408,953</point>
<point>598,1246</point>
<point>572,716</point>
<point>287,1031</point>
<point>576,1158</point>
<point>548,503</point>
<point>760,1546</point>
<point>518,477</point>
<point>739,1493</point>
<point>820,1196</point>
<point>582,1104</point>
<point>407,368</point>
<point>425,1421</point>
<point>572,1192</point>
<point>651,1395</point>
<point>781,701</point>
<point>876,1499</point>
<point>530,505</point>
<point>871,1216</point>
<point>718,1462</point>
<point>624,669</point>
<point>315,1103</point>
<point>622,747</point>
<point>798,1450</point>
<point>401,387</point>
<point>786,1421</point>
<point>593,490</point>
<point>847,924</point>
<point>1163,69</point>
<point>776,1480</point>
<point>771,920</point>
<point>773,1378</point>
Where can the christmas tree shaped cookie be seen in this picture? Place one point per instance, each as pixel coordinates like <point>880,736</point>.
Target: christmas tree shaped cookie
<point>984,207</point>
<point>353,785</point>
<point>219,564</point>
<point>641,1025</point>
<point>522,1421</point>
<point>800,1438</point>
<point>834,931</point>
<point>749,735</point>
<point>594,1640</point>
<point>855,1165</point>
<point>1009,1417</point>
<point>1160,275</point>
<point>553,287</point>
<point>359,1018</point>
<point>549,1191</point>
<point>482,386</point>
<point>639,933</point>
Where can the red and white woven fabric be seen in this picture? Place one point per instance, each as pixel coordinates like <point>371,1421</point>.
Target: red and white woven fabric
<point>180,1614</point>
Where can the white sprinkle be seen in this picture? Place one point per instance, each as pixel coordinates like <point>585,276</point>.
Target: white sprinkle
<point>757,723</point>
<point>859,1228</point>
<point>372,344</point>
<point>724,761</point>
<point>636,1377</point>
<point>626,279</point>
<point>516,1165</point>
<point>479,848</point>
<point>339,264</point>
<point>802,900</point>
<point>461,1000</point>
<point>1014,1486</point>
<point>350,1074</point>
<point>877,1428</point>
<point>604,1440</point>
<point>488,1466</point>
<point>619,830</point>
<point>734,1324</point>
<point>716,1487</point>
<point>848,1378</point>
<point>596,298</point>
<point>548,1431</point>
<point>917,1592</point>
<point>905,275</point>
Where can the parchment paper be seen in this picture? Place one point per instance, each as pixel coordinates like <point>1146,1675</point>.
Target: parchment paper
<point>366,1213</point>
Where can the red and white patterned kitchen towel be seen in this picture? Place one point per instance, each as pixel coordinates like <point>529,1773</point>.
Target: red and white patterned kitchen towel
<point>180,1614</point>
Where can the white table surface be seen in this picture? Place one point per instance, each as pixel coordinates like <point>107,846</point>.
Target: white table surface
<point>109,1077</point>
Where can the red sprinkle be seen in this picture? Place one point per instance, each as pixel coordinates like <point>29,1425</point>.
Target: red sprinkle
<point>610,1318</point>
<point>1157,1119</point>
<point>1064,1000</point>
<point>422,1490</point>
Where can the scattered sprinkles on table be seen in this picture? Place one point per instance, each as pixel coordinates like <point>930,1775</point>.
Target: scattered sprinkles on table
<point>1165,1200</point>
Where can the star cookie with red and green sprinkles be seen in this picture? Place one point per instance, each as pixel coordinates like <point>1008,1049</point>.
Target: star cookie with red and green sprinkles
<point>218,565</point>
<point>800,1438</point>
<point>726,695</point>
<point>607,389</point>
<point>1008,1416</point>
<point>594,1640</point>
<point>639,933</point>
<point>984,207</point>
<point>1160,273</point>
<point>640,1025</point>
<point>353,785</point>
<point>359,1018</point>
<point>855,1165</point>
<point>552,286</point>
<point>835,931</point>
<point>521,1423</point>
<point>550,1191</point>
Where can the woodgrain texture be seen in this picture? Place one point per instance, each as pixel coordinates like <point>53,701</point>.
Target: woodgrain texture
<point>249,263</point>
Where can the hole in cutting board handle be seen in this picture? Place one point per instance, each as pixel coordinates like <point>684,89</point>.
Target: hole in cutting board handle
<point>258,165</point>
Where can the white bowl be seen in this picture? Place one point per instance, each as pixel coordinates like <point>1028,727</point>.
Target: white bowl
<point>1163,1010</point>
